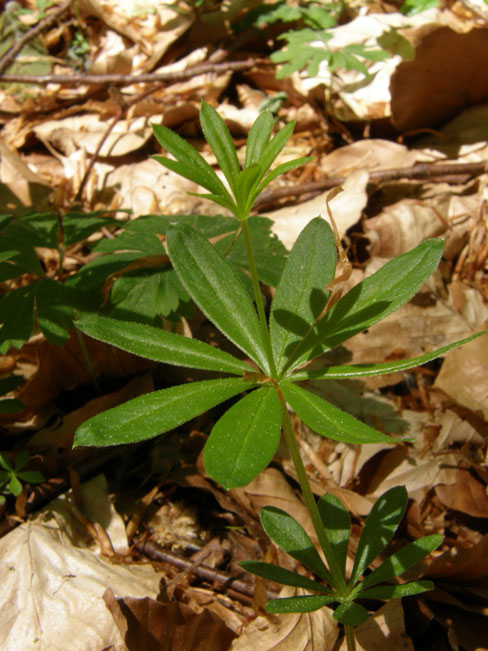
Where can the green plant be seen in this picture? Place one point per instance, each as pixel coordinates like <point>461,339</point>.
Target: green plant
<point>307,44</point>
<point>380,525</point>
<point>12,475</point>
<point>303,323</point>
<point>131,278</point>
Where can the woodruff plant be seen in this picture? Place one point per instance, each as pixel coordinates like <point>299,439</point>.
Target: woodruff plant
<point>300,328</point>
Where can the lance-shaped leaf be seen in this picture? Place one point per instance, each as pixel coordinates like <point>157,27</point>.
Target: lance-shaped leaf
<point>372,299</point>
<point>273,148</point>
<point>302,604</point>
<point>281,575</point>
<point>218,137</point>
<point>382,368</point>
<point>327,420</point>
<point>337,525</point>
<point>378,530</point>
<point>189,163</point>
<point>293,539</point>
<point>281,169</point>
<point>157,412</point>
<point>351,613</point>
<point>160,345</point>
<point>216,289</point>
<point>396,591</point>
<point>244,439</point>
<point>258,139</point>
<point>300,296</point>
<point>402,560</point>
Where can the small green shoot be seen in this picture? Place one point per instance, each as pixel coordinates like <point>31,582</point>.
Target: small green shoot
<point>380,525</point>
<point>12,475</point>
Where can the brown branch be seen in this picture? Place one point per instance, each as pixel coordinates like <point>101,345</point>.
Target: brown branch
<point>223,579</point>
<point>420,171</point>
<point>126,80</point>
<point>45,23</point>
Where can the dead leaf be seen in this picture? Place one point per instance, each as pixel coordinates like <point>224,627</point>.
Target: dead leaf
<point>383,630</point>
<point>153,626</point>
<point>316,631</point>
<point>445,83</point>
<point>467,495</point>
<point>463,375</point>
<point>52,591</point>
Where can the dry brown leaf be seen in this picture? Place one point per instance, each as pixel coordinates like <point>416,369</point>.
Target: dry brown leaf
<point>462,564</point>
<point>383,630</point>
<point>153,626</point>
<point>445,83</point>
<point>465,630</point>
<point>316,631</point>
<point>346,210</point>
<point>52,591</point>
<point>464,376</point>
<point>467,495</point>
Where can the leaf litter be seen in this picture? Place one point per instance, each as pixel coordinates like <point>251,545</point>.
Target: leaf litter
<point>73,569</point>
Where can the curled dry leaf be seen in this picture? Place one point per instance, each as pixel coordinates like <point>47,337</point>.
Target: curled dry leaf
<point>145,623</point>
<point>52,591</point>
<point>316,631</point>
<point>384,630</point>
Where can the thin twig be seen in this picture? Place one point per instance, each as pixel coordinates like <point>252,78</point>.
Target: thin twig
<point>126,80</point>
<point>224,579</point>
<point>43,24</point>
<point>419,171</point>
<point>118,116</point>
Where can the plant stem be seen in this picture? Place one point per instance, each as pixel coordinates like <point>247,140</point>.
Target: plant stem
<point>350,640</point>
<point>258,297</point>
<point>87,360</point>
<point>334,567</point>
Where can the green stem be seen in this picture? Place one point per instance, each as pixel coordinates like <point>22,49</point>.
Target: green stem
<point>311,504</point>
<point>87,360</point>
<point>258,297</point>
<point>350,640</point>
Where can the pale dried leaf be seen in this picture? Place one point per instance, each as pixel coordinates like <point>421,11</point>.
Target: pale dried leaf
<point>52,592</point>
<point>316,631</point>
<point>463,375</point>
<point>384,630</point>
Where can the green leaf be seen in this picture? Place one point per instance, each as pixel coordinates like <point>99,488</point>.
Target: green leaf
<point>402,560</point>
<point>329,421</point>
<point>21,459</point>
<point>293,539</point>
<point>244,440</point>
<point>189,163</point>
<point>215,288</point>
<point>281,575</point>
<point>387,592</point>
<point>9,383</point>
<point>31,476</point>
<point>218,137</point>
<point>155,413</point>
<point>16,317</point>
<point>160,345</point>
<point>258,139</point>
<point>14,486</point>
<point>300,296</point>
<point>337,524</point>
<point>302,604</point>
<point>10,406</point>
<point>245,188</point>
<point>378,530</point>
<point>274,147</point>
<point>5,461</point>
<point>372,299</point>
<point>351,613</point>
<point>361,370</point>
<point>281,169</point>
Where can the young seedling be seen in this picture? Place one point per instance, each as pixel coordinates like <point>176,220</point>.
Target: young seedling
<point>277,351</point>
<point>12,475</point>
